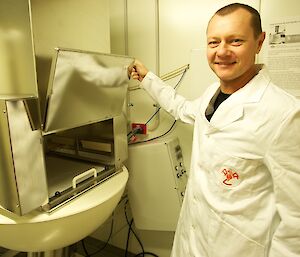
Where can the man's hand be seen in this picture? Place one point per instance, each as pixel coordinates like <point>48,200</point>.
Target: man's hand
<point>136,70</point>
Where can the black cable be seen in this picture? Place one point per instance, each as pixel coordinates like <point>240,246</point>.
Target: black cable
<point>177,84</point>
<point>137,238</point>
<point>123,198</point>
<point>105,244</point>
<point>146,253</point>
<point>158,109</point>
<point>84,248</point>
<point>109,237</point>
<point>134,132</point>
<point>185,70</point>
<point>130,229</point>
<point>150,139</point>
<point>110,234</point>
<point>128,237</point>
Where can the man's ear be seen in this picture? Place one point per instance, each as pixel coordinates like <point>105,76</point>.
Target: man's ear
<point>261,39</point>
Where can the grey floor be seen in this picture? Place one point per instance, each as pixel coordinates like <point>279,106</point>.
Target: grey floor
<point>92,247</point>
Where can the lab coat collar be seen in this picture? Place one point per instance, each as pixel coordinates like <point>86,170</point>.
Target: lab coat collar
<point>232,108</point>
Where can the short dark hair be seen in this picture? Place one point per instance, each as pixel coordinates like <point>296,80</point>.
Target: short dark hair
<point>255,16</point>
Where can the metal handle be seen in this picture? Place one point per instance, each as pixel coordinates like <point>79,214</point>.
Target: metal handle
<point>87,173</point>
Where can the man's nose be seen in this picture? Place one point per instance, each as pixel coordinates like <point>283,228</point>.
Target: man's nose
<point>223,49</point>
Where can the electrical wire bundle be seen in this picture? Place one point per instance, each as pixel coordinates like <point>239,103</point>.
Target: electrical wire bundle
<point>130,230</point>
<point>182,70</point>
<point>87,254</point>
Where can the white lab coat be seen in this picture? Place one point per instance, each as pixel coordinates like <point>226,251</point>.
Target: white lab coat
<point>243,193</point>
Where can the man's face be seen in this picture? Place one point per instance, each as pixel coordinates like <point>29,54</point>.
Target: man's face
<point>231,48</point>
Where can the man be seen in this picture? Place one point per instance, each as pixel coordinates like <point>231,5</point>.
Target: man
<point>243,193</point>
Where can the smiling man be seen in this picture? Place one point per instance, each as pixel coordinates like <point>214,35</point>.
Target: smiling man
<point>243,193</point>
<point>232,46</point>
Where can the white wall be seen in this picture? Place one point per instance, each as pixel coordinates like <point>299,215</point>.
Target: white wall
<point>78,24</point>
<point>118,26</point>
<point>17,65</point>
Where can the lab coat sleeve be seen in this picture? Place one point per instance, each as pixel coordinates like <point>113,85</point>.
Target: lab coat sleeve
<point>284,164</point>
<point>169,100</point>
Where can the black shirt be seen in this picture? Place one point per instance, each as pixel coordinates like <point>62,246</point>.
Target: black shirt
<point>220,98</point>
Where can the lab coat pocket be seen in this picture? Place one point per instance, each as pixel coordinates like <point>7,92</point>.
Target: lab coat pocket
<point>231,242</point>
<point>233,177</point>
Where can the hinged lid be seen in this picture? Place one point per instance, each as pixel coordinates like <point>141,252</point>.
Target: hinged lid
<point>84,87</point>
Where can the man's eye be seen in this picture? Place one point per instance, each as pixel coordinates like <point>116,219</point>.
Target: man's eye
<point>213,43</point>
<point>237,42</point>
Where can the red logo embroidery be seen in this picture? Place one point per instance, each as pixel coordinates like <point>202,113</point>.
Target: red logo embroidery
<point>231,177</point>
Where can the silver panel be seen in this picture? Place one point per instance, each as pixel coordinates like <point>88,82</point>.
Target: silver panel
<point>17,62</point>
<point>120,140</point>
<point>84,88</point>
<point>27,151</point>
<point>8,188</point>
